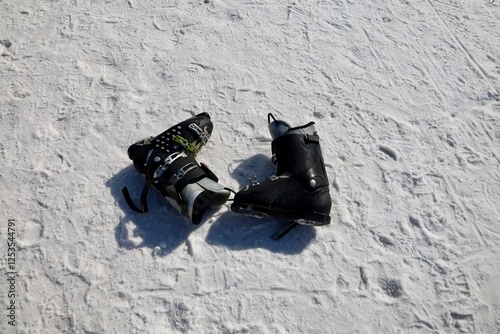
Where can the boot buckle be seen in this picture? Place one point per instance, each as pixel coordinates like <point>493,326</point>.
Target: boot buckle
<point>166,163</point>
<point>189,147</point>
<point>201,133</point>
<point>181,173</point>
<point>253,181</point>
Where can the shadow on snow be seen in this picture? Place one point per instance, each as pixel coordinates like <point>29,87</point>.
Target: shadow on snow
<point>164,225</point>
<point>239,232</point>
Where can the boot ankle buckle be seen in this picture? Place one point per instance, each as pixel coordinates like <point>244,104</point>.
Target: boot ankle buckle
<point>181,173</point>
<point>166,163</point>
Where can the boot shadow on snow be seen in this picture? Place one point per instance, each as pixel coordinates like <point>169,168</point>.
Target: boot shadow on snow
<point>240,232</point>
<point>256,167</point>
<point>162,226</point>
<point>166,227</point>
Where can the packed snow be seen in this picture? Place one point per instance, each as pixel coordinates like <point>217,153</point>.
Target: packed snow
<point>406,100</point>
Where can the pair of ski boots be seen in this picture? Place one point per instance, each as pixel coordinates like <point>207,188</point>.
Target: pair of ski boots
<point>299,191</point>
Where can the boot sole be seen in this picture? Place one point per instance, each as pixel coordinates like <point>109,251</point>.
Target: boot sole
<point>310,218</point>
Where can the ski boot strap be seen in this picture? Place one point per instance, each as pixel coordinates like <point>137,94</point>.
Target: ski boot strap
<point>177,170</point>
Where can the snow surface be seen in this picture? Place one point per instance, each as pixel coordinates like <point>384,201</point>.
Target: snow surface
<point>406,99</point>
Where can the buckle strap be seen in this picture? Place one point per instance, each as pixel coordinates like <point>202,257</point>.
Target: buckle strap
<point>181,173</point>
<point>166,164</point>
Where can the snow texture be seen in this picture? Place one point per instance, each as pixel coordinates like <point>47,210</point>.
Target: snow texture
<point>406,100</point>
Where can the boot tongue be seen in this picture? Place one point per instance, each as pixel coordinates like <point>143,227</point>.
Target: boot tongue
<point>278,128</point>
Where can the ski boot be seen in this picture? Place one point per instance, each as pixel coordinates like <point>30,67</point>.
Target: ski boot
<point>300,190</point>
<point>168,164</point>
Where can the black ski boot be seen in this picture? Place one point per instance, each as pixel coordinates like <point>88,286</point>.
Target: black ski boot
<point>299,190</point>
<point>168,164</point>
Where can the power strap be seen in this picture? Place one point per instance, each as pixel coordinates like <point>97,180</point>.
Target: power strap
<point>144,198</point>
<point>177,171</point>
